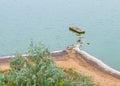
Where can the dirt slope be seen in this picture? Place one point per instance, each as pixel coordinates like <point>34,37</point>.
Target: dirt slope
<point>71,60</point>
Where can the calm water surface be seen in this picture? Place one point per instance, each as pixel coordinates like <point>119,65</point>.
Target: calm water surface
<point>48,21</point>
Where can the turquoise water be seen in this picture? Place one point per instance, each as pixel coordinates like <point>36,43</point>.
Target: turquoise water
<point>48,21</point>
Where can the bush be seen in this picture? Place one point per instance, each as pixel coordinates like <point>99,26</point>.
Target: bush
<point>38,69</point>
<point>79,79</point>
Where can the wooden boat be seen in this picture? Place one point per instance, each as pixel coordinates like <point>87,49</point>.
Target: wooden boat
<point>77,30</point>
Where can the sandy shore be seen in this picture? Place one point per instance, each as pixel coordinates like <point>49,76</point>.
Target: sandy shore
<point>70,59</point>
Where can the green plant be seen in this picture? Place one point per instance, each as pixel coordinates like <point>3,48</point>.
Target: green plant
<point>38,69</point>
<point>79,79</point>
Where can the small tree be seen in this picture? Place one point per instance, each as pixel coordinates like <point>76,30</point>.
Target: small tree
<point>38,69</point>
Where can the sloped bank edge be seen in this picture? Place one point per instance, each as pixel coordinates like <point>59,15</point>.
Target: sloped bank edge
<point>97,63</point>
<point>87,57</point>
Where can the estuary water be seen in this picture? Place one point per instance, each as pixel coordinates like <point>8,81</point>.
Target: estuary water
<point>47,21</point>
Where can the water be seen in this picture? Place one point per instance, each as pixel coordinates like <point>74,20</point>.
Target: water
<point>48,21</point>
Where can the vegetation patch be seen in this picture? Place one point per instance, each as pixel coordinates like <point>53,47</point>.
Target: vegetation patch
<point>38,69</point>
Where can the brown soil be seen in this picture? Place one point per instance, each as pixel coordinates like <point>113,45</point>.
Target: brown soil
<point>4,64</point>
<point>74,61</point>
<point>69,59</point>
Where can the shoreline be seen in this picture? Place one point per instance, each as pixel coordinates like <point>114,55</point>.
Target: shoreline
<point>93,61</point>
<point>98,63</point>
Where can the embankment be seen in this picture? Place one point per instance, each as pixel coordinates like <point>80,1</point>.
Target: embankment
<point>81,62</point>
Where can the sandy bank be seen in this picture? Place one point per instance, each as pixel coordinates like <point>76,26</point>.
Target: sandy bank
<point>86,64</point>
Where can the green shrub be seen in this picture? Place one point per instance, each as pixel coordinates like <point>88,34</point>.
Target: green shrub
<point>79,79</point>
<point>38,69</point>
